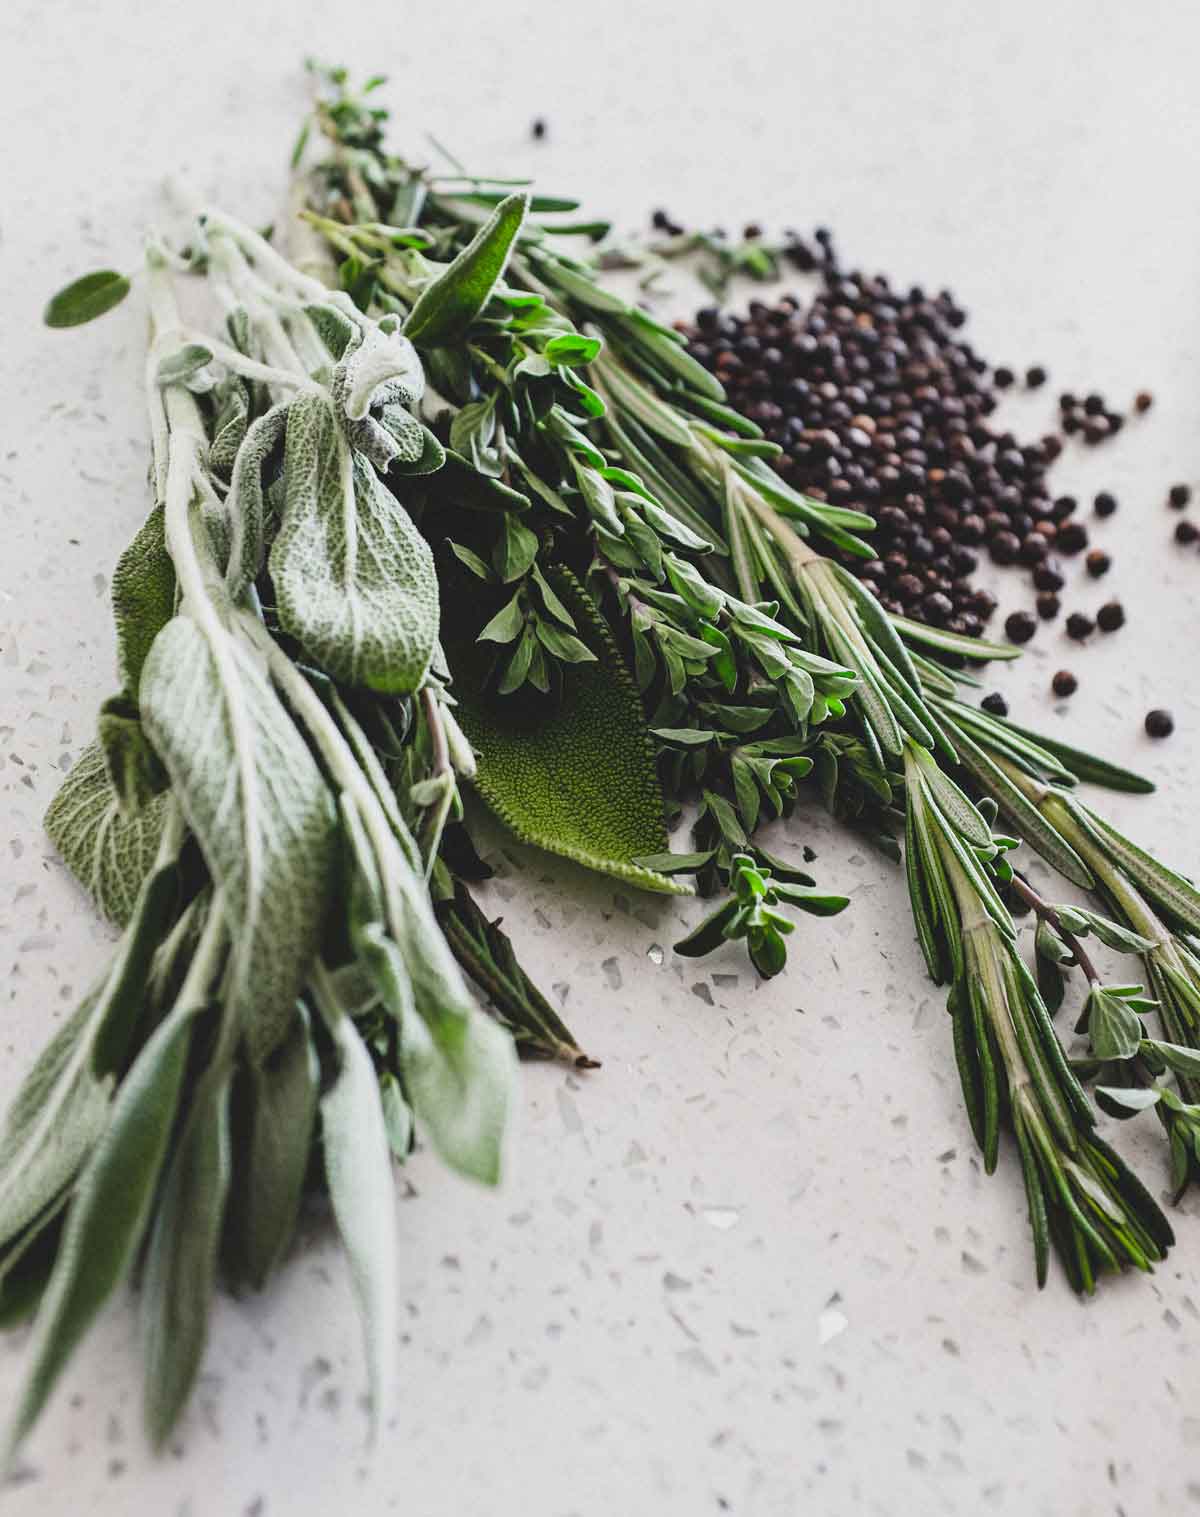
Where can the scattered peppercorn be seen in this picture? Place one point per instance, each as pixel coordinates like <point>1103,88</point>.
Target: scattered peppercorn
<point>1064,683</point>
<point>1020,627</point>
<point>878,403</point>
<point>1080,626</point>
<point>1186,531</point>
<point>1072,537</point>
<point>1098,563</point>
<point>1142,402</point>
<point>995,703</point>
<point>1048,605</point>
<point>1179,496</point>
<point>1110,616</point>
<point>538,129</point>
<point>1105,503</point>
<point>1160,723</point>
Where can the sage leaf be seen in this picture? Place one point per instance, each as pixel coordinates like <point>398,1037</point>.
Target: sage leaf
<point>179,367</point>
<point>86,298</point>
<point>253,795</point>
<point>53,1124</point>
<point>143,595</point>
<point>109,853</point>
<point>134,769</point>
<point>354,579</point>
<point>577,778</point>
<point>181,1262</point>
<point>283,1094</point>
<point>381,368</point>
<point>359,1173</point>
<point>459,1066</point>
<point>109,1212</point>
<point>446,308</point>
<point>246,501</point>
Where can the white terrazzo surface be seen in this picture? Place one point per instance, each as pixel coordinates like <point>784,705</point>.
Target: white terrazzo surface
<point>751,1266</point>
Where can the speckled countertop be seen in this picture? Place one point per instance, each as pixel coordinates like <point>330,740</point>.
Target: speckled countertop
<point>751,1266</point>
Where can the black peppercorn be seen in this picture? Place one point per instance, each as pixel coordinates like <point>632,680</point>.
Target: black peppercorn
<point>1034,548</point>
<point>1020,626</point>
<point>1160,723</point>
<point>1110,616</point>
<point>1048,576</point>
<point>1004,547</point>
<point>538,129</point>
<point>1142,402</point>
<point>1080,626</point>
<point>1048,605</point>
<point>937,607</point>
<point>1105,503</point>
<point>1064,683</point>
<point>1063,507</point>
<point>1179,496</point>
<point>1002,377</point>
<point>995,703</point>
<point>1186,531</point>
<point>1072,537</point>
<point>1035,377</point>
<point>1098,562</point>
<point>1093,404</point>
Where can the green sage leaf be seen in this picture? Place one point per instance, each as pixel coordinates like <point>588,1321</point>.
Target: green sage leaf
<point>109,1212</point>
<point>181,1262</point>
<point>109,853</point>
<point>577,778</point>
<point>256,800</point>
<point>354,579</point>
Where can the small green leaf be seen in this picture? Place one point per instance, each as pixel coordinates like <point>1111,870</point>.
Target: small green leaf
<point>572,348</point>
<point>1126,1101</point>
<point>358,1169</point>
<point>109,1212</point>
<point>86,298</point>
<point>178,368</point>
<point>563,645</point>
<point>515,551</point>
<point>134,769</point>
<point>109,853</point>
<point>1114,1029</point>
<point>472,560</point>
<point>710,933</point>
<point>283,1095</point>
<point>143,594</point>
<point>181,1262</point>
<point>446,308</point>
<point>507,624</point>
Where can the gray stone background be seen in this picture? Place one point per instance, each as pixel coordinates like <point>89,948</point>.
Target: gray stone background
<point>752,1265</point>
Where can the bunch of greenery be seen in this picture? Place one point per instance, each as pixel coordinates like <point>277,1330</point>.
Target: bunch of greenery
<point>438,507</point>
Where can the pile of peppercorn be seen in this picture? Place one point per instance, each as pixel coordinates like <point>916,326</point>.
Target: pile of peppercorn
<point>878,402</point>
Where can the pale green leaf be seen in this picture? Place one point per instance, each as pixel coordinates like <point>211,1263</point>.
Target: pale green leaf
<point>181,1262</point>
<point>258,804</point>
<point>354,579</point>
<point>109,853</point>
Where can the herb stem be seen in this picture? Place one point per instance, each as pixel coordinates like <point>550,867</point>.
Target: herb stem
<point>1047,913</point>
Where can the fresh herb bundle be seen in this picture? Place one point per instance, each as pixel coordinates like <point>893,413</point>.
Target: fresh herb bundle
<point>759,658</point>
<point>567,574</point>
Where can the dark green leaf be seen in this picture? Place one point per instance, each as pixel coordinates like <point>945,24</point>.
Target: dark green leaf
<point>86,298</point>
